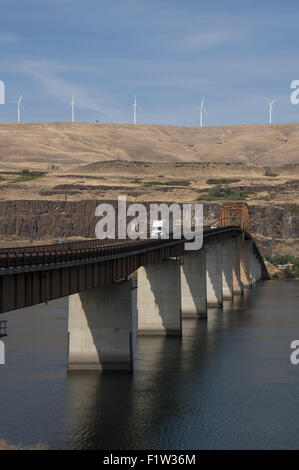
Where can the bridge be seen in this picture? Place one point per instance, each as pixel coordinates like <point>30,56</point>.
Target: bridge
<point>117,290</point>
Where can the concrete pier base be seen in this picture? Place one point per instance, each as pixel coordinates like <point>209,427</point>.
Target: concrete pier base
<point>258,269</point>
<point>246,248</point>
<point>159,299</point>
<point>193,284</point>
<point>101,328</point>
<point>214,274</point>
<point>227,269</point>
<point>237,284</point>
<point>255,268</point>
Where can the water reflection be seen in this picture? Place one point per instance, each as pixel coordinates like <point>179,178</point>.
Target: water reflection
<point>227,383</point>
<point>125,411</point>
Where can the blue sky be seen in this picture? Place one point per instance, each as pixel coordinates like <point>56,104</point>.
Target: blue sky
<point>170,53</point>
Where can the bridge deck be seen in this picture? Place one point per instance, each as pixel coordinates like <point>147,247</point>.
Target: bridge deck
<point>36,274</point>
<point>87,250</point>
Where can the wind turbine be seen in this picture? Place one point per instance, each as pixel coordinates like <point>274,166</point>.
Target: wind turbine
<point>135,107</point>
<point>72,105</point>
<point>201,109</point>
<point>18,102</point>
<point>270,110</point>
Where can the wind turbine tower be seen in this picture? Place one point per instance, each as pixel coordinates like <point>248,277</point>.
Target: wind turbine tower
<point>135,107</point>
<point>201,109</point>
<point>72,105</point>
<point>19,104</point>
<point>270,110</point>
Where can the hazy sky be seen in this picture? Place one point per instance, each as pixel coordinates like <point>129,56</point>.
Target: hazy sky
<point>238,54</point>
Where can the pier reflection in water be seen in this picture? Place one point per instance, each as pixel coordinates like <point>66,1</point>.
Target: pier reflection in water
<point>227,383</point>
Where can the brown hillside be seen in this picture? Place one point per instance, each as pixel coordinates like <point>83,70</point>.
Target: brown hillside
<point>146,163</point>
<point>38,145</point>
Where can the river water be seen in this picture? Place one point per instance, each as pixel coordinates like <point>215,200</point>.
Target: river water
<point>227,384</point>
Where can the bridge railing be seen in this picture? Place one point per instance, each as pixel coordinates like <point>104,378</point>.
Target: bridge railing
<point>87,249</point>
<point>58,246</point>
<point>47,254</point>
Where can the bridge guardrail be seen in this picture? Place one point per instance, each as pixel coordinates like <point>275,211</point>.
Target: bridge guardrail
<point>88,249</point>
<point>48,254</point>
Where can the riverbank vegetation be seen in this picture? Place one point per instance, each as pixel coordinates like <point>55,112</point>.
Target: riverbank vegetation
<point>288,264</point>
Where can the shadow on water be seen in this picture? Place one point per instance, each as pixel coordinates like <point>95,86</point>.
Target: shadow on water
<point>137,411</point>
<point>227,383</point>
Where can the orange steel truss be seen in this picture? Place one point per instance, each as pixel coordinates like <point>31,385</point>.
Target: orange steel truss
<point>234,213</point>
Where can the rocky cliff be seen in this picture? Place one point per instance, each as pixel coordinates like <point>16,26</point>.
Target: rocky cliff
<point>276,228</point>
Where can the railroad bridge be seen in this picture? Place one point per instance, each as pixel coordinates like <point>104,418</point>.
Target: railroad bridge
<point>117,290</point>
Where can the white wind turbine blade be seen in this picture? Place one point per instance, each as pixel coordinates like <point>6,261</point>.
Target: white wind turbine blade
<point>20,104</point>
<point>270,103</point>
<point>135,105</point>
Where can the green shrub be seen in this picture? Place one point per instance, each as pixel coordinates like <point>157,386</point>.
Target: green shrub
<point>282,259</point>
<point>225,193</point>
<point>169,183</point>
<point>27,175</point>
<point>223,181</point>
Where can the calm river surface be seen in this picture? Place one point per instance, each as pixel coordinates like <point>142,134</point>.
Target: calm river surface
<point>227,384</point>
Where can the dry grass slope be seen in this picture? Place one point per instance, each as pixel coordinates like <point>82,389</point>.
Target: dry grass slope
<point>36,145</point>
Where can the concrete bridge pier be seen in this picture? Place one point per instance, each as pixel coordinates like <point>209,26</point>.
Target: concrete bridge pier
<point>255,268</point>
<point>246,249</point>
<point>159,299</point>
<point>101,328</point>
<point>214,274</point>
<point>258,269</point>
<point>227,269</point>
<point>193,284</point>
<point>237,283</point>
